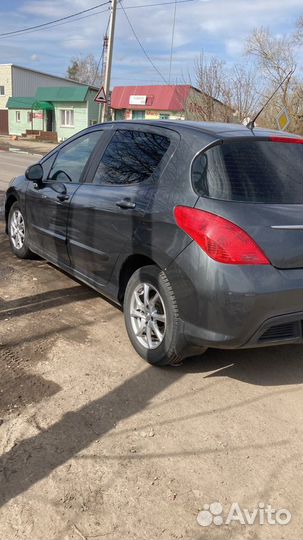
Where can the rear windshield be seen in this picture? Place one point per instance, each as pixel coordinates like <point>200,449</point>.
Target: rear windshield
<point>251,171</point>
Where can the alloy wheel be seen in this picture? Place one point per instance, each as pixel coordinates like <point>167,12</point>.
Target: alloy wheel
<point>148,316</point>
<point>17,229</point>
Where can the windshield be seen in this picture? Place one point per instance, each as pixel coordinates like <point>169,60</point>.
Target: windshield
<point>251,171</point>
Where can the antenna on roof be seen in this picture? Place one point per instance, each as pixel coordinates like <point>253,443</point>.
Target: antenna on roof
<point>251,124</point>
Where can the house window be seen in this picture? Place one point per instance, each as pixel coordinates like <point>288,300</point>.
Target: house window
<point>29,116</point>
<point>164,116</point>
<point>67,118</point>
<point>2,91</point>
<point>18,116</point>
<point>120,114</point>
<point>138,115</point>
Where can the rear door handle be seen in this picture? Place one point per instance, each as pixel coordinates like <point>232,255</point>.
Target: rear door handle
<point>125,204</point>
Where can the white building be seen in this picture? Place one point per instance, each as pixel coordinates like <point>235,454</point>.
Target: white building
<point>17,81</point>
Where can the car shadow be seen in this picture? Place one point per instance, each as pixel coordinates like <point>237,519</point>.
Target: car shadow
<point>43,301</point>
<point>35,458</point>
<point>264,366</point>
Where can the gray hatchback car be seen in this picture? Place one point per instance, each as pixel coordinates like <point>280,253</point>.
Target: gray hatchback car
<point>196,229</point>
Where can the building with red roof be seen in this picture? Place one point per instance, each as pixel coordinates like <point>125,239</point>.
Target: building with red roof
<point>173,102</point>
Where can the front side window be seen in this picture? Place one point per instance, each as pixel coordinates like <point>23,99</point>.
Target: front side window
<point>18,116</point>
<point>67,118</point>
<point>262,171</point>
<point>2,90</point>
<point>131,157</point>
<point>72,158</point>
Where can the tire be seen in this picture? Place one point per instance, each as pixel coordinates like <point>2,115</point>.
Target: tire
<point>19,240</point>
<point>158,348</point>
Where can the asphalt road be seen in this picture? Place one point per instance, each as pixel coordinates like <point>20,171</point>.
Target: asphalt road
<point>14,163</point>
<point>94,443</point>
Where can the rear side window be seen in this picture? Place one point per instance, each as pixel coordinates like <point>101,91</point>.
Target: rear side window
<point>251,171</point>
<point>131,157</point>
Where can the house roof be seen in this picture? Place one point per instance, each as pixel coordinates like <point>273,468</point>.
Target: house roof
<point>62,93</point>
<point>49,75</point>
<point>162,98</point>
<point>20,102</point>
<point>47,95</point>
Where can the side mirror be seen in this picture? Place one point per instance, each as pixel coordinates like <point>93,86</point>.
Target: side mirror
<point>34,173</point>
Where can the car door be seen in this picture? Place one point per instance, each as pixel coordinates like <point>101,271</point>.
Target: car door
<point>47,202</point>
<point>107,208</point>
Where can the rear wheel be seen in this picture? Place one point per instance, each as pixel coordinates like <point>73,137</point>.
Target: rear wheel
<point>151,316</point>
<point>17,232</point>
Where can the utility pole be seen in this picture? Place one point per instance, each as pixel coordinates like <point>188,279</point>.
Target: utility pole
<point>104,59</point>
<point>109,57</point>
<point>103,67</point>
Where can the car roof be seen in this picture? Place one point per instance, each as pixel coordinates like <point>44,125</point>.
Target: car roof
<point>219,130</point>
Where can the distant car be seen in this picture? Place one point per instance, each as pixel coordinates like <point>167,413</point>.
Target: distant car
<point>195,229</point>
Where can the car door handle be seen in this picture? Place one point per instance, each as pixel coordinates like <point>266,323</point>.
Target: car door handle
<point>126,203</point>
<point>62,197</point>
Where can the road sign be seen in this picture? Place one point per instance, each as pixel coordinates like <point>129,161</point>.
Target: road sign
<point>101,96</point>
<point>283,119</point>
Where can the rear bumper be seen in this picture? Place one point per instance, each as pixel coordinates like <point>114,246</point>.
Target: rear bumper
<point>232,307</point>
<point>282,330</point>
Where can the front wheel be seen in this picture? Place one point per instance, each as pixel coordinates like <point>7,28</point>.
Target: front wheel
<point>17,232</point>
<point>151,316</point>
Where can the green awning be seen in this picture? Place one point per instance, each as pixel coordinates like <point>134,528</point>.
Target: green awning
<point>63,94</point>
<point>42,106</point>
<point>29,103</point>
<point>20,102</point>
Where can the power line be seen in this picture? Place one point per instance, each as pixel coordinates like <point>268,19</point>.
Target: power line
<point>55,25</point>
<point>54,21</point>
<point>172,41</point>
<point>157,4</point>
<point>41,27</point>
<point>131,79</point>
<point>141,46</point>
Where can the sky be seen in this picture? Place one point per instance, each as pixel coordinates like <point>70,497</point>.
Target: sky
<point>217,27</point>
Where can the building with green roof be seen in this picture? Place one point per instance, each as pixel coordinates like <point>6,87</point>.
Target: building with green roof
<point>56,112</point>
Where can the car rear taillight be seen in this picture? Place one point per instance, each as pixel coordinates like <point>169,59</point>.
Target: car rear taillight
<point>287,140</point>
<point>221,239</point>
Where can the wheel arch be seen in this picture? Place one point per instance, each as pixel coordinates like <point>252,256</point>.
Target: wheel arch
<point>129,266</point>
<point>11,199</point>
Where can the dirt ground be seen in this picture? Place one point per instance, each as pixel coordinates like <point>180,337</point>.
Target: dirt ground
<point>95,443</point>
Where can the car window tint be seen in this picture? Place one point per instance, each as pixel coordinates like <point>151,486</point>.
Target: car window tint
<point>251,171</point>
<point>131,157</point>
<point>73,157</point>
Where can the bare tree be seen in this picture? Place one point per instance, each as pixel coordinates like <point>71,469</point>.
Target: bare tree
<point>244,91</point>
<point>211,80</point>
<point>84,70</point>
<point>275,57</point>
<point>236,88</point>
<point>299,31</point>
